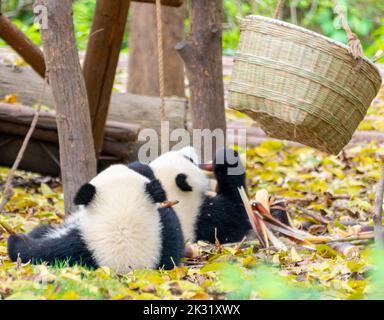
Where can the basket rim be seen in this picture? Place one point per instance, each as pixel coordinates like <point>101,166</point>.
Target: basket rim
<point>310,32</point>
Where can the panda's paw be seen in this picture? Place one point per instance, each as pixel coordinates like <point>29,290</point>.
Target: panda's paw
<point>17,244</point>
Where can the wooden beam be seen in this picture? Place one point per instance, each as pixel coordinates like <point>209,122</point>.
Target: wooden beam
<point>22,45</point>
<point>77,155</point>
<point>101,60</point>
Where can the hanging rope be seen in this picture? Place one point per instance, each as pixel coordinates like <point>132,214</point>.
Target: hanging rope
<point>355,48</point>
<point>353,41</point>
<point>279,9</point>
<point>160,54</point>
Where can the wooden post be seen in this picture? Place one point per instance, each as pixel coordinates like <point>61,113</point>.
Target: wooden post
<point>77,155</point>
<point>143,60</point>
<point>202,55</point>
<point>101,60</point>
<point>22,45</point>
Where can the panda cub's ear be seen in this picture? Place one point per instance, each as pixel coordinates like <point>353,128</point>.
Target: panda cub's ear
<point>155,191</point>
<point>182,183</point>
<point>85,195</point>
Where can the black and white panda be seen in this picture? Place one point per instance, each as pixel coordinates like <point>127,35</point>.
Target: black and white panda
<point>203,217</point>
<point>119,224</point>
<point>182,179</point>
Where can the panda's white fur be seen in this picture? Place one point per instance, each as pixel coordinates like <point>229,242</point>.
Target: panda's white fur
<point>121,223</point>
<point>166,168</point>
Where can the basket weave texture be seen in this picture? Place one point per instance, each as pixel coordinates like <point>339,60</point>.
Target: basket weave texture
<point>299,85</point>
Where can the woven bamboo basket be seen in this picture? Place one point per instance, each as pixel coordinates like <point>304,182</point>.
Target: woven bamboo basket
<point>299,85</point>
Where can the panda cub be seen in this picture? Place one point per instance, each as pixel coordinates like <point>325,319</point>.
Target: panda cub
<point>182,179</point>
<point>203,217</point>
<point>119,224</point>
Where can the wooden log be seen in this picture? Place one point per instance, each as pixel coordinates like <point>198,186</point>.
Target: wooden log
<point>143,66</point>
<point>101,60</point>
<point>22,115</point>
<point>118,149</point>
<point>43,157</point>
<point>22,45</point>
<point>77,154</point>
<point>128,108</point>
<point>202,56</point>
<point>256,135</point>
<point>123,151</point>
<point>36,158</point>
<point>20,130</point>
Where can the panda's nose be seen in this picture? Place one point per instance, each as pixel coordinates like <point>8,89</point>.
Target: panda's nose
<point>206,166</point>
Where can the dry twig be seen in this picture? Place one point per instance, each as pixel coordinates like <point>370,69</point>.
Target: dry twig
<point>378,218</point>
<point>8,192</point>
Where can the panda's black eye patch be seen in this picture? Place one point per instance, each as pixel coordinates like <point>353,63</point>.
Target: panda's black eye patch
<point>85,195</point>
<point>181,182</point>
<point>156,192</point>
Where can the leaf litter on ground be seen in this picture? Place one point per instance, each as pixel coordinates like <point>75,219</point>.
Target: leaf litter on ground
<point>328,197</point>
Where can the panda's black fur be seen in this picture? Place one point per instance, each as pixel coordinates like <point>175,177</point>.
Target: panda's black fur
<point>69,248</point>
<point>66,243</point>
<point>40,231</point>
<point>224,212</point>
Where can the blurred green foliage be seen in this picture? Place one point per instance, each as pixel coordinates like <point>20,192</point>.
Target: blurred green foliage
<point>265,282</point>
<point>366,18</point>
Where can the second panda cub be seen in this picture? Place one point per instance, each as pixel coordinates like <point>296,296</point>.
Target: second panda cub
<point>203,217</point>
<point>119,224</point>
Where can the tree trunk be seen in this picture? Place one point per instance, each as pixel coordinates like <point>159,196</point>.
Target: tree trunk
<point>77,155</point>
<point>202,55</point>
<point>143,58</point>
<point>101,60</point>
